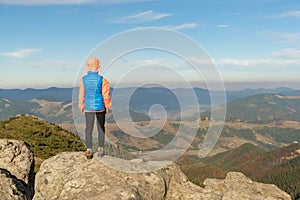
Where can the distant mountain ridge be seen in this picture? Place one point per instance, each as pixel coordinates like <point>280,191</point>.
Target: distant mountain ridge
<point>250,92</point>
<point>57,94</point>
<point>264,107</point>
<point>55,104</point>
<point>52,111</point>
<point>12,107</point>
<point>65,94</point>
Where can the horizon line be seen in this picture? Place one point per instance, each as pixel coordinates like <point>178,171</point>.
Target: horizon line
<point>227,85</point>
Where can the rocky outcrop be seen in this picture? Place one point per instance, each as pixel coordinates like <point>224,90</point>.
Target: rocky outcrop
<point>16,170</point>
<point>237,186</point>
<point>70,175</point>
<point>11,187</point>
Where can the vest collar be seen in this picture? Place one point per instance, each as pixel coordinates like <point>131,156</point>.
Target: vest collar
<point>90,72</point>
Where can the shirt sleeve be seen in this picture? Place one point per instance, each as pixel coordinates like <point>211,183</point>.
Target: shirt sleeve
<point>106,93</point>
<point>81,103</point>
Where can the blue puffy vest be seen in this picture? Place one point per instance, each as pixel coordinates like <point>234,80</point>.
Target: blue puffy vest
<point>93,98</point>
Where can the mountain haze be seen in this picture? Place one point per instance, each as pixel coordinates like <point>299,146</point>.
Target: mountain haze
<point>262,108</point>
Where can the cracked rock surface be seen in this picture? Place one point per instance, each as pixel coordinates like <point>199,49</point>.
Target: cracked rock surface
<point>16,170</point>
<point>70,175</point>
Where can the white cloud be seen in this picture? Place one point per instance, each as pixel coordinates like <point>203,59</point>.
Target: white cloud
<point>288,14</point>
<point>45,2</point>
<point>194,25</point>
<point>222,26</point>
<point>261,70</point>
<point>147,62</point>
<point>201,61</point>
<point>291,38</point>
<point>65,2</point>
<point>62,65</point>
<point>242,62</point>
<point>288,53</point>
<point>258,62</point>
<point>20,53</point>
<point>119,1</point>
<point>183,26</point>
<point>146,16</point>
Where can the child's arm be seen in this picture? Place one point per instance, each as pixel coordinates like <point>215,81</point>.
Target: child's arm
<point>106,94</point>
<point>81,96</point>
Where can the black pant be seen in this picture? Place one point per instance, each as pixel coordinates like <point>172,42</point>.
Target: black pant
<point>89,126</point>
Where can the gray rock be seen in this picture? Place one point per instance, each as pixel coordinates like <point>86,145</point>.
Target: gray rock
<point>17,165</point>
<point>11,187</point>
<point>70,175</point>
<point>237,186</point>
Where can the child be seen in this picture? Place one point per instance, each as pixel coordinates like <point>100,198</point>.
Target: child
<point>94,100</point>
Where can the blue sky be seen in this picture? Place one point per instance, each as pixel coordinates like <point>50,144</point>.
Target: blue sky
<point>253,43</point>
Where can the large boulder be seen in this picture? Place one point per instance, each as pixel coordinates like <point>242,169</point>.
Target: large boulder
<point>11,187</point>
<point>70,175</point>
<point>16,169</point>
<point>237,186</point>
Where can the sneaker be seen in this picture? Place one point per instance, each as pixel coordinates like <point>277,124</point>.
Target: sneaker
<point>101,151</point>
<point>88,154</point>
